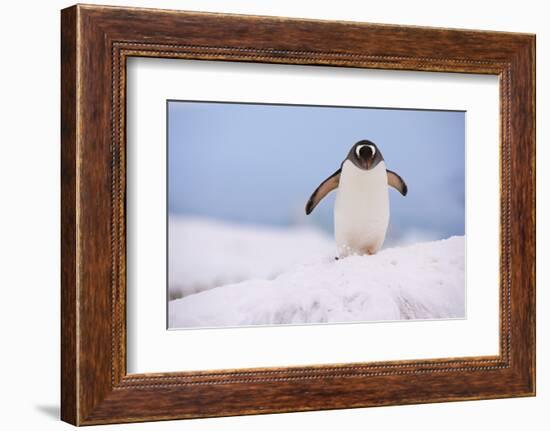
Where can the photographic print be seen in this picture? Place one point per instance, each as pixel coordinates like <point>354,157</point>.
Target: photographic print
<point>297,214</point>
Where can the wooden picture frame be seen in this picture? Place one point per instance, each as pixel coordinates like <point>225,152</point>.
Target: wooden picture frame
<point>95,43</point>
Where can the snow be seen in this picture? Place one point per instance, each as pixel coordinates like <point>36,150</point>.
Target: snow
<point>290,277</point>
<point>206,253</point>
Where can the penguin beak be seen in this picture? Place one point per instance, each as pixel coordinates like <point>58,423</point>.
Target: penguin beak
<point>369,163</point>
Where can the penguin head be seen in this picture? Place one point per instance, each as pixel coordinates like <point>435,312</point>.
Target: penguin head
<point>365,155</point>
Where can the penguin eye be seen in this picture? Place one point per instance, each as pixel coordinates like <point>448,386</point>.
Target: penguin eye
<point>373,149</point>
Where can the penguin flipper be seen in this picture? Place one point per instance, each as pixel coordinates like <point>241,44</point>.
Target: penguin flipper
<point>397,182</point>
<point>324,189</point>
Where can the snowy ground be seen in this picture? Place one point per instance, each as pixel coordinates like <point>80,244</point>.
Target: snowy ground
<point>205,254</point>
<point>239,276</point>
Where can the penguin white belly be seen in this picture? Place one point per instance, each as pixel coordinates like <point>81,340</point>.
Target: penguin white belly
<point>361,209</point>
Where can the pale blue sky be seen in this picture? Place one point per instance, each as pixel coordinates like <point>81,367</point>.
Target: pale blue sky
<point>258,164</point>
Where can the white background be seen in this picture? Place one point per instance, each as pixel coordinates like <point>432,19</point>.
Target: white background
<point>151,348</point>
<point>29,227</point>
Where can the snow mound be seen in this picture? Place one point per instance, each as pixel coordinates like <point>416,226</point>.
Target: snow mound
<point>421,281</point>
<point>206,253</point>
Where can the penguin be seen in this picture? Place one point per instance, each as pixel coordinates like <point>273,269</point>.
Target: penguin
<point>361,208</point>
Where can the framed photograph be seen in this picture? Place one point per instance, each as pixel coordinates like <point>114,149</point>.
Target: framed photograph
<point>265,214</point>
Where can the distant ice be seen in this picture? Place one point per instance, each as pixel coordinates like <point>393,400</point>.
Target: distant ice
<point>228,275</point>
